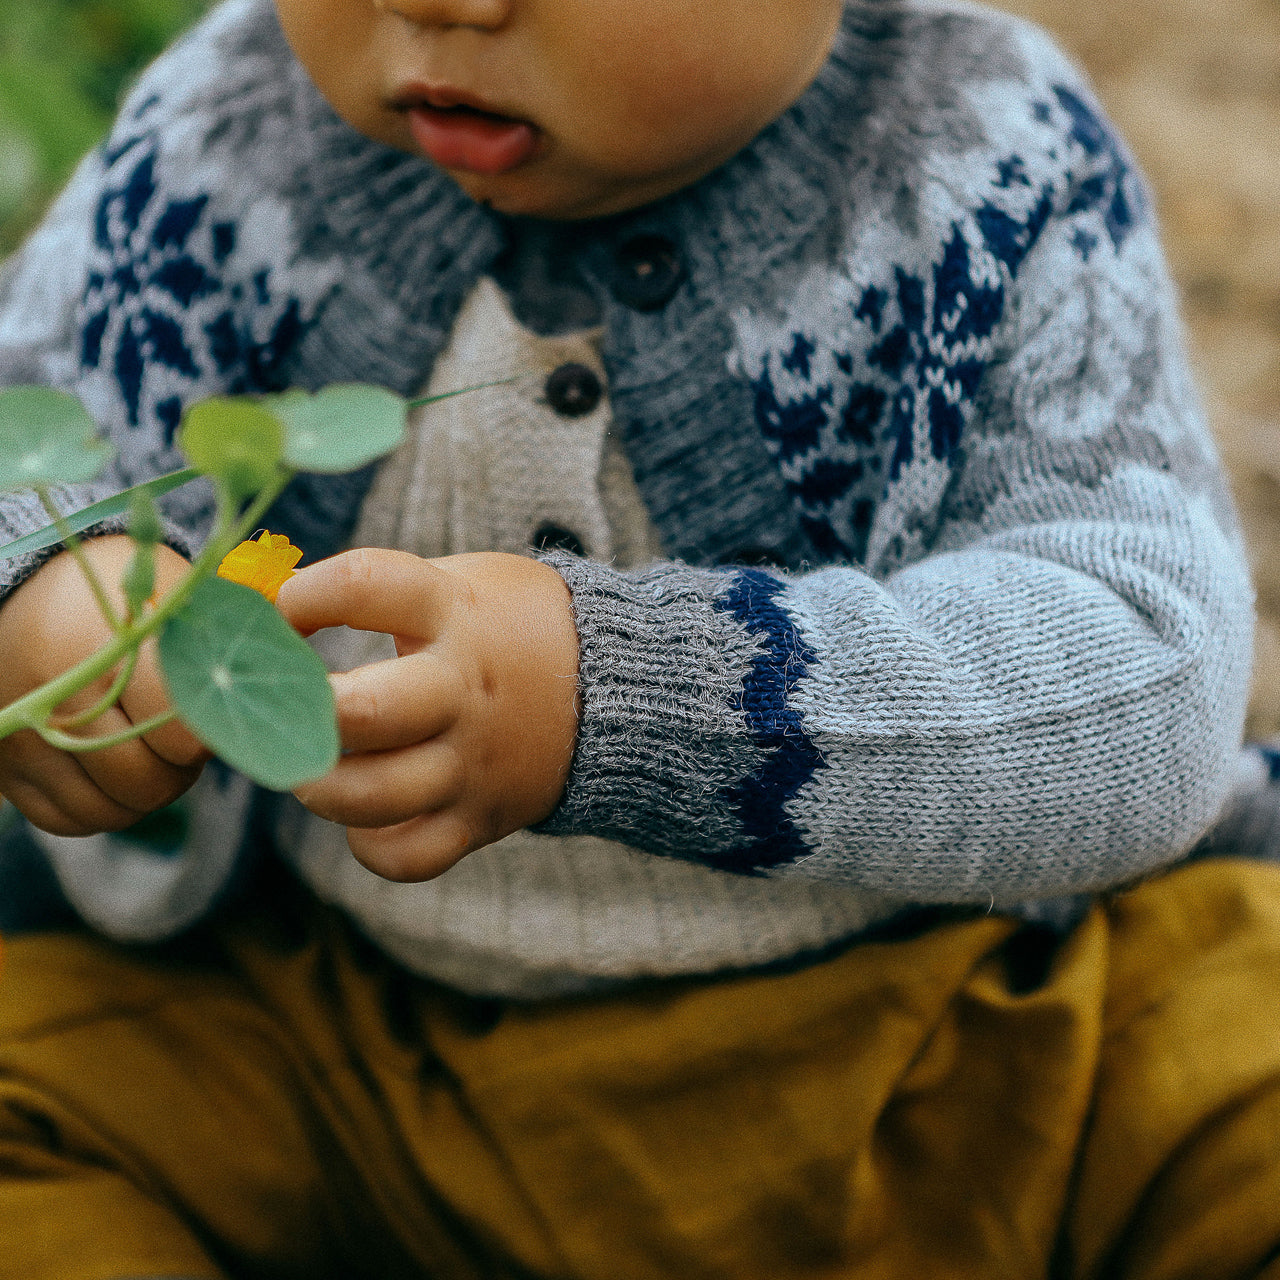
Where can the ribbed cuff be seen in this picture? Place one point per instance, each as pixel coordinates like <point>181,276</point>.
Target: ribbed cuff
<point>662,738</point>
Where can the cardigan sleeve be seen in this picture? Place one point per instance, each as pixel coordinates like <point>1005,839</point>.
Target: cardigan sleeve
<point>161,276</point>
<point>164,273</point>
<point>1033,685</point>
<point>40,291</point>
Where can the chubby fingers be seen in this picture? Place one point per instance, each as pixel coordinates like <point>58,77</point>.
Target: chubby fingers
<point>370,589</point>
<point>141,774</point>
<point>419,849</point>
<point>86,792</point>
<point>132,775</point>
<point>381,788</point>
<point>52,791</point>
<point>397,702</point>
<point>143,699</point>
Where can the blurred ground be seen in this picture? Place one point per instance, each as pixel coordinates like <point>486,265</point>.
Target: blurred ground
<point>1195,87</point>
<point>63,64</point>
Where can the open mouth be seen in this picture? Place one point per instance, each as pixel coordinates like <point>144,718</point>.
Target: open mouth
<point>469,139</point>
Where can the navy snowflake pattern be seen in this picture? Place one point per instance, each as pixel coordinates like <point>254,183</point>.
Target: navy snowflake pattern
<point>159,315</point>
<point>845,422</point>
<point>849,408</point>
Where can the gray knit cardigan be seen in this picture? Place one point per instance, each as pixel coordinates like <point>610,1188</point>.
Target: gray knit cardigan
<point>955,609</point>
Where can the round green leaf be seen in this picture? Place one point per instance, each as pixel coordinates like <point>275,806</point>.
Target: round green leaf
<point>340,428</point>
<point>249,687</point>
<point>237,442</point>
<point>47,437</point>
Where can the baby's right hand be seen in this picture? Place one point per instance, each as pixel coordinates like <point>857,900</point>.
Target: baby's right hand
<point>48,625</point>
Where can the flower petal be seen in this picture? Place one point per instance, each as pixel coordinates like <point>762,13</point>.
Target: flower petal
<point>265,564</point>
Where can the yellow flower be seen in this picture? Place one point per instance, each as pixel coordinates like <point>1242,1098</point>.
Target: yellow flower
<point>265,565</point>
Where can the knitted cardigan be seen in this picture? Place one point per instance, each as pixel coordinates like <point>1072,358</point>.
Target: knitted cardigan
<point>954,607</point>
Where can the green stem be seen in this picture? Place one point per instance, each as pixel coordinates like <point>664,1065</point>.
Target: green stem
<point>73,544</point>
<point>106,702</point>
<point>69,742</point>
<point>461,391</point>
<point>35,707</point>
<point>240,527</point>
<point>32,711</point>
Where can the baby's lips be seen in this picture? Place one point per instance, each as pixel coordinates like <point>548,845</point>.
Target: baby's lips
<point>471,141</point>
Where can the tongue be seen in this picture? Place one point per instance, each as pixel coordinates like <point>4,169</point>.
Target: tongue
<point>468,140</point>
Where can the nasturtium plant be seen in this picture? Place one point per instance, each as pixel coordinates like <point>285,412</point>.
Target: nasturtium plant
<point>47,438</point>
<point>144,520</point>
<point>264,564</point>
<point>139,581</point>
<point>251,689</point>
<point>317,428</point>
<point>108,509</point>
<point>238,443</point>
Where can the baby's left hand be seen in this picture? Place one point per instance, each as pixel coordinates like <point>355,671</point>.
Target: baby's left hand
<point>467,735</point>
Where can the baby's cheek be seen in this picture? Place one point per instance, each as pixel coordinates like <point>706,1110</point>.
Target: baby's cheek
<point>337,42</point>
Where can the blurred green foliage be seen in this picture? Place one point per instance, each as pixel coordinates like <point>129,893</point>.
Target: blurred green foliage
<point>63,67</point>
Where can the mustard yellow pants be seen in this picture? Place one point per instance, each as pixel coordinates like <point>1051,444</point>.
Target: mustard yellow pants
<point>275,1100</point>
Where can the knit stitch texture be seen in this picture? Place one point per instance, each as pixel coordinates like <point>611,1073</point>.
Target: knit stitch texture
<point>954,609</point>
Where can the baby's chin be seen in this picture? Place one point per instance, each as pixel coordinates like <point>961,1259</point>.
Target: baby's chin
<point>535,191</point>
<point>520,196</point>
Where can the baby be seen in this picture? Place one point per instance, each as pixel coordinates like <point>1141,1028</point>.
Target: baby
<point>830,598</point>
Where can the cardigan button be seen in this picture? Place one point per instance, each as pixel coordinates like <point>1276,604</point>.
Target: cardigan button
<point>647,272</point>
<point>573,390</point>
<point>552,537</point>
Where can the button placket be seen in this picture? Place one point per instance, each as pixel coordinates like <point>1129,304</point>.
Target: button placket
<point>572,390</point>
<point>528,463</point>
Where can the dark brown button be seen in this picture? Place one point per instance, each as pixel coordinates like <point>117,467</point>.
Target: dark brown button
<point>551,537</point>
<point>648,271</point>
<point>573,390</point>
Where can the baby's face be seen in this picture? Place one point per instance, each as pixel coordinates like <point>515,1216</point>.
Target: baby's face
<point>563,108</point>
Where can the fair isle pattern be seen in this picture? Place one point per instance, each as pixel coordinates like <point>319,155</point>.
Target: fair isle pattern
<point>168,308</point>
<point>158,258</point>
<point>923,361</point>
<point>771,838</point>
<point>210,257</point>
<point>845,411</point>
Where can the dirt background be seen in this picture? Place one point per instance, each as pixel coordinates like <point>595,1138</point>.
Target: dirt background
<point>1194,85</point>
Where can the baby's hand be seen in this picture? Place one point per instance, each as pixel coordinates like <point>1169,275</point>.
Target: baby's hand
<point>48,625</point>
<point>468,734</point>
